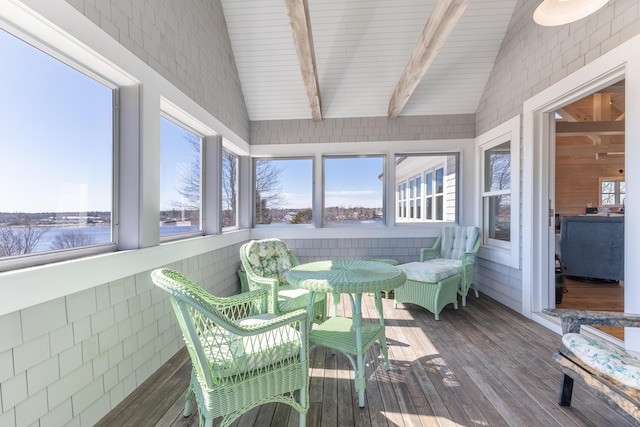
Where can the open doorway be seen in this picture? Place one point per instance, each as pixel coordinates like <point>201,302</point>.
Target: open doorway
<point>590,195</point>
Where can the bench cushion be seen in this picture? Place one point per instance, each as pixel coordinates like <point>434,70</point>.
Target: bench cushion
<point>431,271</point>
<point>616,362</point>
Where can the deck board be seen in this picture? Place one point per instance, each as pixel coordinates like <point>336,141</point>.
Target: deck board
<point>482,365</point>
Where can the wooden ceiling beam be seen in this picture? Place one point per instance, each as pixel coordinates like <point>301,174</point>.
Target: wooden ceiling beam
<point>444,17</point>
<point>298,13</point>
<point>589,128</point>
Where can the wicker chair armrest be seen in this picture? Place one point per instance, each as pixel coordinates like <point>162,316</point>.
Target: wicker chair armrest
<point>432,252</point>
<point>573,319</point>
<point>468,258</point>
<point>266,282</point>
<point>239,299</point>
<point>298,316</point>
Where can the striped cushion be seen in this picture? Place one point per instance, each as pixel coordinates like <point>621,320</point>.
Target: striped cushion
<point>620,364</point>
<point>431,271</point>
<point>457,240</point>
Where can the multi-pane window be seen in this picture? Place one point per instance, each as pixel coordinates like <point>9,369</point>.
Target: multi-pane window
<point>612,192</point>
<point>283,191</point>
<point>180,178</point>
<point>496,196</point>
<point>432,183</point>
<point>229,189</point>
<point>56,178</point>
<point>353,190</point>
<point>499,178</point>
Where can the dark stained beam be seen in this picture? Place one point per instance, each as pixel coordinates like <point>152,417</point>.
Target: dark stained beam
<point>298,13</point>
<point>443,19</point>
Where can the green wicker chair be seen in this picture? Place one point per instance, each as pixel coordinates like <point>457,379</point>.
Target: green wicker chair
<point>265,264</point>
<point>445,270</point>
<point>242,357</point>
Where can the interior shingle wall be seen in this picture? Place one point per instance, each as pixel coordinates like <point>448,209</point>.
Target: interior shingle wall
<point>70,360</point>
<point>363,129</point>
<point>186,42</point>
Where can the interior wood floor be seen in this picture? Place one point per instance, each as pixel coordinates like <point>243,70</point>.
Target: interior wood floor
<point>595,295</point>
<point>481,365</point>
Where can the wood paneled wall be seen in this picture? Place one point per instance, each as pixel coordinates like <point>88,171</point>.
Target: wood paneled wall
<point>577,177</point>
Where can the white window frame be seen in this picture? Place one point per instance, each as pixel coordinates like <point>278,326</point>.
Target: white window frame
<point>506,253</point>
<point>95,69</point>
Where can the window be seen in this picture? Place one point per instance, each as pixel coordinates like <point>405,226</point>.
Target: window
<point>612,192</point>
<point>283,191</point>
<point>432,182</point>
<point>229,189</point>
<point>56,180</point>
<point>180,178</point>
<point>499,155</point>
<point>497,192</point>
<point>353,190</point>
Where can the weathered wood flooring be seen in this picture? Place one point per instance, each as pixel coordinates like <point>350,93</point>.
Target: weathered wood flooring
<point>482,365</point>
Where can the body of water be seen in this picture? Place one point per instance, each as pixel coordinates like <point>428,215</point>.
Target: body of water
<point>99,234</point>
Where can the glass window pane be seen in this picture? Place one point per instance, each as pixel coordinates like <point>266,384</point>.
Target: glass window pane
<point>180,192</point>
<point>498,167</point>
<point>353,190</point>
<point>229,189</point>
<point>56,183</point>
<point>497,210</point>
<point>284,191</point>
<point>429,183</point>
<point>439,184</point>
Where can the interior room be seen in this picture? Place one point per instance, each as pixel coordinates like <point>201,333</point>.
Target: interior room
<point>148,145</point>
<point>590,178</point>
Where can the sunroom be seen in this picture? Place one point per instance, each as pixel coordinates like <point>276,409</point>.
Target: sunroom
<point>150,98</point>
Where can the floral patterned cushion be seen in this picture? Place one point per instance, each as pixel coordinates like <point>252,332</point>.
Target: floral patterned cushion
<point>431,271</point>
<point>620,364</point>
<point>269,258</point>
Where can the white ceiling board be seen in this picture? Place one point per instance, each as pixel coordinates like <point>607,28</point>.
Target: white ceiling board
<point>361,48</point>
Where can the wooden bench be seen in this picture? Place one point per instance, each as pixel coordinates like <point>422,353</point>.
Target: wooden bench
<point>623,398</point>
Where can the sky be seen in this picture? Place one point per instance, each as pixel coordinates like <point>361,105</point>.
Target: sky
<point>47,113</point>
<point>50,111</point>
<point>343,185</point>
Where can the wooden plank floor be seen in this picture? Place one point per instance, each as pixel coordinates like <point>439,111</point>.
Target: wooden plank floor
<point>595,295</point>
<point>482,365</point>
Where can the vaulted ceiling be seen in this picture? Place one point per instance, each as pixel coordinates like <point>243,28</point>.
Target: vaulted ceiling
<point>353,55</point>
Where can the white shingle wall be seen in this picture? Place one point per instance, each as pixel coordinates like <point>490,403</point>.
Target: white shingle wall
<point>186,42</point>
<point>362,129</point>
<point>71,360</point>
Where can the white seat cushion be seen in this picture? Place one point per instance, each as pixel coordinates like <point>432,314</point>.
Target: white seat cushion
<point>431,271</point>
<point>620,364</point>
<point>231,354</point>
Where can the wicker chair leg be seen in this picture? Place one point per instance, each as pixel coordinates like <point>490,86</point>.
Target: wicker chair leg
<point>188,401</point>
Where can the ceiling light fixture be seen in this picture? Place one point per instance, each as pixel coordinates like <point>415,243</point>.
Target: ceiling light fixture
<point>559,12</point>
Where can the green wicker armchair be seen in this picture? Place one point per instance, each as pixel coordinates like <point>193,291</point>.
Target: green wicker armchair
<point>265,264</point>
<point>445,270</point>
<point>242,357</point>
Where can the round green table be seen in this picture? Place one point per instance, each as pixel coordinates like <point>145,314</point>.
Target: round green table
<point>352,337</point>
